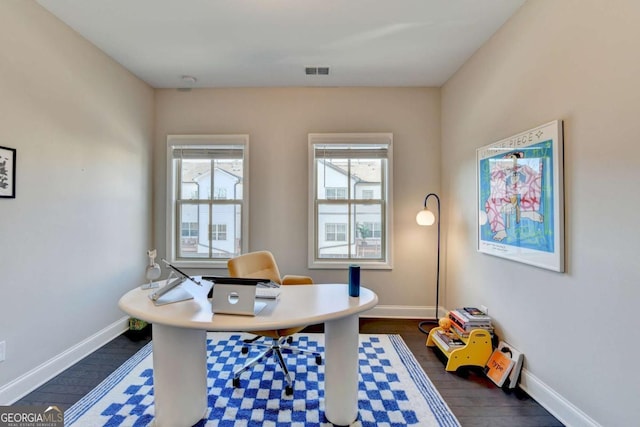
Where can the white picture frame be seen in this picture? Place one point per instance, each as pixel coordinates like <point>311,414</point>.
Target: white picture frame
<point>7,173</point>
<point>520,197</point>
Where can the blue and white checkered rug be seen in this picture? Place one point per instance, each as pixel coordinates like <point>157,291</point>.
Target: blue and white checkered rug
<point>393,389</point>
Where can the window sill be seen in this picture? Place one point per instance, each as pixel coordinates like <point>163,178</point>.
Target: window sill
<point>208,264</point>
<point>344,265</point>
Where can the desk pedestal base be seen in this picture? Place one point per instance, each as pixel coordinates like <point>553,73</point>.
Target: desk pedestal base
<point>179,375</point>
<point>341,370</point>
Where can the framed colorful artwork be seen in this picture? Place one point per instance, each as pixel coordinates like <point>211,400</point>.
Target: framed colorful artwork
<point>520,197</point>
<point>7,173</point>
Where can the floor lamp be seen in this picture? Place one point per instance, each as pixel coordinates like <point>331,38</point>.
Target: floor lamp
<point>425,217</point>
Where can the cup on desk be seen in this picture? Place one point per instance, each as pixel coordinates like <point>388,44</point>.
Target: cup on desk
<point>354,280</point>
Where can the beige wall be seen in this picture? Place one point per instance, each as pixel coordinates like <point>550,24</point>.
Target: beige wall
<point>278,121</point>
<point>575,60</point>
<point>74,239</point>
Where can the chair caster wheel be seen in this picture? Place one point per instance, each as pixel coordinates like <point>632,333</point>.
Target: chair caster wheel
<point>245,350</point>
<point>288,390</point>
<point>318,360</point>
<point>236,382</point>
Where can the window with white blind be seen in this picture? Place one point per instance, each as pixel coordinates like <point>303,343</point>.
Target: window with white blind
<point>207,198</point>
<point>350,200</point>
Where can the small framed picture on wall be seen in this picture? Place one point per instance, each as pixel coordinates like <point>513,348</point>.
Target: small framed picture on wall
<point>7,173</point>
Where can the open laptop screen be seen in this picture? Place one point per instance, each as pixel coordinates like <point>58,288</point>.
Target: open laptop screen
<point>232,281</point>
<point>235,280</point>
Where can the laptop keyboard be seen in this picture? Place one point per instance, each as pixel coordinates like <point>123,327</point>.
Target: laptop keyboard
<point>267,293</point>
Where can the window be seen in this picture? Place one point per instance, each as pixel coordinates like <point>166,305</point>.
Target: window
<point>335,232</point>
<point>350,200</point>
<point>189,229</point>
<point>219,232</point>
<point>334,193</point>
<point>207,206</point>
<point>369,229</point>
<point>220,193</point>
<point>367,194</point>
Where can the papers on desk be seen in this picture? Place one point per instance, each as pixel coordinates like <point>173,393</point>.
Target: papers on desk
<point>198,291</point>
<point>267,292</point>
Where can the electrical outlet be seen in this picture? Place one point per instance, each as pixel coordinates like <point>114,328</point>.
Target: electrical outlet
<point>484,309</point>
<point>3,349</point>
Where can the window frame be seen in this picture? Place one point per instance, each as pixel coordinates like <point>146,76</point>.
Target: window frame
<point>386,138</point>
<point>172,232</point>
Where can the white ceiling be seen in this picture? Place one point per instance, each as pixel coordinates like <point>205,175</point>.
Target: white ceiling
<point>249,43</point>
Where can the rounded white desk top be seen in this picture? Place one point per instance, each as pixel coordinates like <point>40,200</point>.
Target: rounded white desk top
<point>296,306</point>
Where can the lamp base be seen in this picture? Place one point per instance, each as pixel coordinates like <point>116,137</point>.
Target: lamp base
<point>434,322</point>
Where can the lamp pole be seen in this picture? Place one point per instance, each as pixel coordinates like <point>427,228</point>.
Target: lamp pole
<point>426,217</point>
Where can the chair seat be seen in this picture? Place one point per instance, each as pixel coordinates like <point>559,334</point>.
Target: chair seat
<point>278,333</point>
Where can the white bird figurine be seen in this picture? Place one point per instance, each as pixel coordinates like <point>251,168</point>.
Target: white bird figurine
<point>153,270</point>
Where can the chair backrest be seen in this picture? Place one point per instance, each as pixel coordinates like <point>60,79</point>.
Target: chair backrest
<point>259,265</point>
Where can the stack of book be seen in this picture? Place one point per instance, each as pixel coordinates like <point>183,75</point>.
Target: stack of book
<point>448,341</point>
<point>464,320</point>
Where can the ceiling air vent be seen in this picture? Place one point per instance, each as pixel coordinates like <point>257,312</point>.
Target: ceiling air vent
<point>313,71</point>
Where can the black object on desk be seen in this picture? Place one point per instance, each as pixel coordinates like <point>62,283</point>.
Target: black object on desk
<point>354,280</point>
<point>232,281</point>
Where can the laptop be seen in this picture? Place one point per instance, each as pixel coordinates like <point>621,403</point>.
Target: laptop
<point>235,296</point>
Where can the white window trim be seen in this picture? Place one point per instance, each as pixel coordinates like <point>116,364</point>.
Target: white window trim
<point>172,141</point>
<point>350,138</point>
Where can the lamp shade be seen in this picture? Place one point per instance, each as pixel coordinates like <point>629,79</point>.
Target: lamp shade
<point>425,217</point>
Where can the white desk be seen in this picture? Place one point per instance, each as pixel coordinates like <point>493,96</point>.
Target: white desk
<point>179,344</point>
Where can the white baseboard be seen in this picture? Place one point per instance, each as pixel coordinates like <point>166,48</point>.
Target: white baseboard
<point>33,379</point>
<point>557,405</point>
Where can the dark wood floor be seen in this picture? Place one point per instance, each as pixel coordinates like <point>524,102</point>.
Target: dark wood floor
<point>474,399</point>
